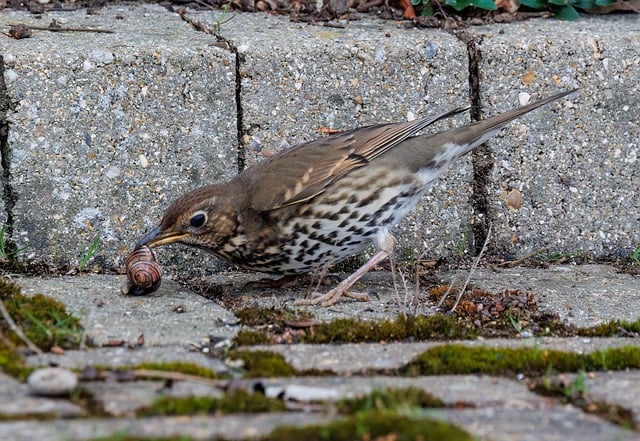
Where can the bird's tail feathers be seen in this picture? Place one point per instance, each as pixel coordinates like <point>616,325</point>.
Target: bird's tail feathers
<point>475,134</point>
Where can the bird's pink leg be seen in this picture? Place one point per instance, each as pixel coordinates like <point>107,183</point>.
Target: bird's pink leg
<point>341,290</point>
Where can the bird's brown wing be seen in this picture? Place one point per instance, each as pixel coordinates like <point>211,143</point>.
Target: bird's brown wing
<point>304,171</point>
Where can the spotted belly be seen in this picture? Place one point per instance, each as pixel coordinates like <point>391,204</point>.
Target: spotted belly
<point>340,224</point>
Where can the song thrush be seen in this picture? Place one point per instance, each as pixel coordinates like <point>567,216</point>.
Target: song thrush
<point>320,202</point>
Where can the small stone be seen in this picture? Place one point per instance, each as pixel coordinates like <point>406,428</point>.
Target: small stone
<point>524,98</point>
<point>52,382</point>
<point>144,162</point>
<point>514,200</point>
<point>430,50</point>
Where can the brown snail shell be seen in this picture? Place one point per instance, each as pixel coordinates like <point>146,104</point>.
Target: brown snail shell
<point>143,272</point>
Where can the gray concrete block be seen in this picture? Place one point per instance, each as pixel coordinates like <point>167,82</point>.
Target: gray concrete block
<point>576,162</point>
<point>109,128</point>
<point>299,78</point>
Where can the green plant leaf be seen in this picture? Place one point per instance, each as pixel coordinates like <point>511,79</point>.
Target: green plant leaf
<point>416,2</point>
<point>558,2</point>
<point>427,11</point>
<point>605,2</point>
<point>534,4</point>
<point>583,4</point>
<point>458,5</point>
<point>485,4</point>
<point>567,13</point>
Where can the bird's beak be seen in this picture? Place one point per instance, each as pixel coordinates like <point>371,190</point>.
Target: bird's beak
<point>157,237</point>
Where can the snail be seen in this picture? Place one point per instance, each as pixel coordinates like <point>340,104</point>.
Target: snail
<point>143,272</point>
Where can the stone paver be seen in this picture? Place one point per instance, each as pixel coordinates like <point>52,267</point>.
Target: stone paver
<point>108,128</point>
<point>576,168</point>
<point>108,315</point>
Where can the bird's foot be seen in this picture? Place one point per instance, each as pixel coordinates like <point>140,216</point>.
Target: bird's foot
<point>332,297</point>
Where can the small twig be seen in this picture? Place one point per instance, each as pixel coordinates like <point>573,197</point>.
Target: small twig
<point>61,29</point>
<point>518,261</point>
<point>15,328</point>
<point>137,374</point>
<point>473,267</point>
<point>446,294</point>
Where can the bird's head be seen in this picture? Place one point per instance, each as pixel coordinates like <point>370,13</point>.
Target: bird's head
<point>204,218</point>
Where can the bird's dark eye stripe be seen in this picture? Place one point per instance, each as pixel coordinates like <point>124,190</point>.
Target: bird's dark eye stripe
<point>198,220</point>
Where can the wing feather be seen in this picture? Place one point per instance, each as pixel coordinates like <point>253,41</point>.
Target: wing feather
<point>303,172</point>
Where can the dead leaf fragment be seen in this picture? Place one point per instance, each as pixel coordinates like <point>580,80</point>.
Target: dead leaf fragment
<point>528,77</point>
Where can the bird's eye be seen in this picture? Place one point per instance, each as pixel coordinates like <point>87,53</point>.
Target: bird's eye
<point>198,219</point>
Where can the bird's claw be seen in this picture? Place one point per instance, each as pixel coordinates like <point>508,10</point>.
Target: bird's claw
<point>332,297</point>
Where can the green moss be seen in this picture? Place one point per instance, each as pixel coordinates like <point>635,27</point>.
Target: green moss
<point>263,364</point>
<point>12,363</point>
<point>237,401</point>
<point>256,316</point>
<point>250,338</point>
<point>389,399</point>
<point>402,328</point>
<point>43,320</point>
<point>611,328</point>
<point>370,426</point>
<point>458,359</point>
<point>182,367</point>
<point>29,416</point>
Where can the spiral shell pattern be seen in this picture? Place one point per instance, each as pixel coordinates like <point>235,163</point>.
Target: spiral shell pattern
<point>143,272</point>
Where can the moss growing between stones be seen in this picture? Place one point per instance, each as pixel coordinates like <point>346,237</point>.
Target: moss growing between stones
<point>612,328</point>
<point>263,364</point>
<point>251,338</point>
<point>12,363</point>
<point>458,359</point>
<point>237,401</point>
<point>372,426</point>
<point>389,399</point>
<point>402,328</point>
<point>43,320</point>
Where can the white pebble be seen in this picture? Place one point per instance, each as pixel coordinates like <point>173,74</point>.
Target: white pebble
<point>524,98</point>
<point>112,172</point>
<point>10,75</point>
<point>51,382</point>
<point>144,162</point>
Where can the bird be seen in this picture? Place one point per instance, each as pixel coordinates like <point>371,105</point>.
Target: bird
<point>317,203</point>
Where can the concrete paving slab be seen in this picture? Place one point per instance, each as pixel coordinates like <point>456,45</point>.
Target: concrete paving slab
<point>351,358</point>
<point>173,315</point>
<point>575,163</point>
<point>583,295</point>
<point>109,128</point>
<point>122,357</point>
<point>558,423</point>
